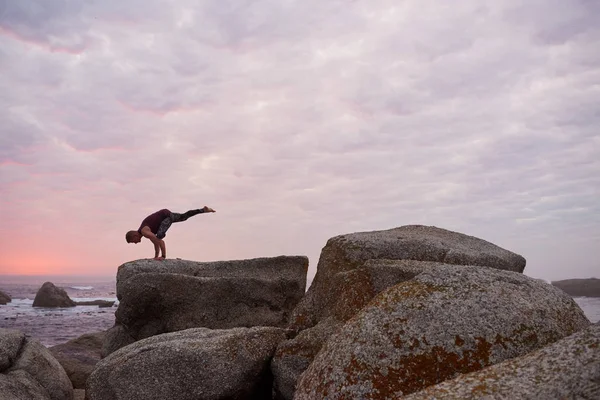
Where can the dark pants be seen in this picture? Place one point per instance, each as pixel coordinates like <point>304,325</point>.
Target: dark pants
<point>175,217</point>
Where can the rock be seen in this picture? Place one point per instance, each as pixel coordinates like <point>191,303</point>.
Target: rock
<point>115,338</point>
<point>352,291</point>
<point>99,303</point>
<point>78,394</point>
<point>52,296</point>
<point>411,242</point>
<point>29,371</point>
<point>174,295</point>
<point>567,369</point>
<point>197,363</point>
<point>340,288</point>
<point>580,287</point>
<point>294,356</point>
<point>4,298</point>
<point>448,320</point>
<point>79,356</point>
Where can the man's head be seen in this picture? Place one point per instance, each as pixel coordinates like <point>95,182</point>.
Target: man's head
<point>133,237</point>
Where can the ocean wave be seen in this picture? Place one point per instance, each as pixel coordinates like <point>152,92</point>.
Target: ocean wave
<point>82,287</point>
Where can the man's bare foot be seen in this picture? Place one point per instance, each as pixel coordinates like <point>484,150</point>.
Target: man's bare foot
<point>159,258</point>
<point>208,209</point>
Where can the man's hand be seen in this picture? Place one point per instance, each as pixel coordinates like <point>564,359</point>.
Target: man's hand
<point>159,244</point>
<point>208,209</point>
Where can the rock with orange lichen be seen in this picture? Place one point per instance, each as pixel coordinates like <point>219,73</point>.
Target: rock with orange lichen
<point>447,320</point>
<point>410,242</point>
<point>567,369</point>
<point>353,290</point>
<point>196,363</point>
<point>353,268</point>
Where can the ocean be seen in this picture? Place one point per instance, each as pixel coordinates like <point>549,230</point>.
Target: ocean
<point>52,326</point>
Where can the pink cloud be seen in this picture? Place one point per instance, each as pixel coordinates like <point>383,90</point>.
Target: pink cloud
<point>44,45</point>
<point>157,112</point>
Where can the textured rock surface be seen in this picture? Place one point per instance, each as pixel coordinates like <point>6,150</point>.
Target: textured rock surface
<point>174,295</point>
<point>115,338</point>
<point>79,356</point>
<point>580,287</point>
<point>52,296</point>
<point>4,298</point>
<point>567,369</point>
<point>341,287</point>
<point>196,363</point>
<point>29,371</point>
<point>411,242</point>
<point>294,356</point>
<point>352,291</point>
<point>446,321</point>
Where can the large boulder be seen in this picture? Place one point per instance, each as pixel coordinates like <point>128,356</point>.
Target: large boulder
<point>567,369</point>
<point>174,295</point>
<point>79,356</point>
<point>4,298</point>
<point>197,363</point>
<point>29,371</point>
<point>447,320</point>
<point>411,242</point>
<point>580,287</point>
<point>353,290</point>
<point>342,287</point>
<point>50,295</point>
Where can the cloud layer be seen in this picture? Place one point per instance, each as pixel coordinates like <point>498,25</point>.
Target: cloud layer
<point>297,121</point>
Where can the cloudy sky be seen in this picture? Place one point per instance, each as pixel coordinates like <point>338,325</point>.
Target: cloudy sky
<point>297,121</point>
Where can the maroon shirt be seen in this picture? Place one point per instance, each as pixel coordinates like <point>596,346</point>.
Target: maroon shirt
<point>153,220</point>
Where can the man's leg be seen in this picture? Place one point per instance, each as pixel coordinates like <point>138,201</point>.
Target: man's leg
<point>182,217</point>
<point>164,226</point>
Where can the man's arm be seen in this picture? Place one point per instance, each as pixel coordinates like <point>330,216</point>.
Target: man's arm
<point>159,244</point>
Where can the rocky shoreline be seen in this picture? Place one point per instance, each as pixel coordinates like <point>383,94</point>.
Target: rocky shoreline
<point>413,312</point>
<point>580,287</point>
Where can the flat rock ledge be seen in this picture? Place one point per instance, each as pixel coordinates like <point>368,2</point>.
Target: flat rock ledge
<point>173,295</point>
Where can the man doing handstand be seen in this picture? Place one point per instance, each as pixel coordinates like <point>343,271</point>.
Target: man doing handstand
<point>155,226</point>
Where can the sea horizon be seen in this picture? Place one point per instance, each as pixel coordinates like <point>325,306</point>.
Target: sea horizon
<point>33,279</point>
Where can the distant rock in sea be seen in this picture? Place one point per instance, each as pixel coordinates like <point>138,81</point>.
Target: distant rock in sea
<point>580,287</point>
<point>99,303</point>
<point>52,296</point>
<point>4,298</point>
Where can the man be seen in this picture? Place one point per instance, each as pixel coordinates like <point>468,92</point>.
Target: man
<point>155,226</point>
